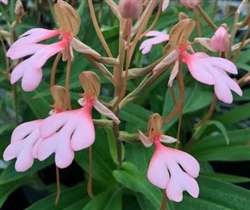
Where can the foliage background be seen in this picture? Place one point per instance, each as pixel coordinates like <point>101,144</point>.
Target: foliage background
<point>225,167</point>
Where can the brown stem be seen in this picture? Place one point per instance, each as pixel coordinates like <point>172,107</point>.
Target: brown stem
<point>53,70</point>
<point>58,186</point>
<point>178,106</point>
<point>209,113</point>
<point>67,80</point>
<point>241,44</point>
<point>90,178</point>
<point>164,200</point>
<point>97,28</point>
<point>197,18</point>
<point>206,18</point>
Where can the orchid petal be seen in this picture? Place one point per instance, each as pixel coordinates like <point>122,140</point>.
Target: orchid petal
<point>144,139</point>
<point>105,111</point>
<point>157,171</point>
<point>167,139</point>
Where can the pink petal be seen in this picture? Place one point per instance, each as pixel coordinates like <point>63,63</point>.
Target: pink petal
<point>31,79</point>
<point>12,150</point>
<point>24,129</point>
<point>17,72</point>
<point>144,139</point>
<point>187,162</point>
<point>223,92</point>
<point>200,69</point>
<point>64,155</point>
<point>174,189</point>
<point>53,123</point>
<point>190,185</point>
<point>19,52</point>
<point>34,36</point>
<point>157,171</point>
<point>85,126</point>
<point>223,64</point>
<point>24,161</point>
<point>46,148</point>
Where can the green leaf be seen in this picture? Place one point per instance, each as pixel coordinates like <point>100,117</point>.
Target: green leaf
<point>10,174</point>
<point>7,188</point>
<point>136,180</point>
<point>214,147</point>
<point>234,115</point>
<point>110,199</point>
<point>226,177</point>
<point>216,195</point>
<point>199,131</point>
<point>67,197</point>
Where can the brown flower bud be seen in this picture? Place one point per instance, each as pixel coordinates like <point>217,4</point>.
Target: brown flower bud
<point>59,96</point>
<point>19,10</point>
<point>154,125</point>
<point>130,8</point>
<point>90,83</point>
<point>66,17</point>
<point>181,32</point>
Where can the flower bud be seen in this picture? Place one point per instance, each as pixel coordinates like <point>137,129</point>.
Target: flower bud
<point>190,4</point>
<point>181,32</point>
<point>154,125</point>
<point>66,17</point>
<point>90,83</point>
<point>130,8</point>
<point>59,96</point>
<point>19,10</point>
<point>220,40</point>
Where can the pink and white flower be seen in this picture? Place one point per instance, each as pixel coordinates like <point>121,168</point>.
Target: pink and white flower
<point>171,169</point>
<point>69,131</point>
<point>30,70</point>
<point>157,38</point>
<point>205,69</point>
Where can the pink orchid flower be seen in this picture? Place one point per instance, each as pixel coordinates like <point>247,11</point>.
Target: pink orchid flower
<point>219,42</point>
<point>23,139</point>
<point>157,38</point>
<point>205,69</point>
<point>69,131</point>
<point>4,1</point>
<point>171,169</point>
<point>30,70</point>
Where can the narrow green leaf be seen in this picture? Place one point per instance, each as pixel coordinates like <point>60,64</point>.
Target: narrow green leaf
<point>67,197</point>
<point>110,199</point>
<point>214,148</point>
<point>136,180</point>
<point>216,195</point>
